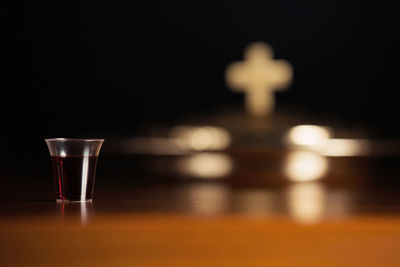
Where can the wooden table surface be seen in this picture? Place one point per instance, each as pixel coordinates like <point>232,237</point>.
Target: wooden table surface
<point>181,240</point>
<point>352,218</point>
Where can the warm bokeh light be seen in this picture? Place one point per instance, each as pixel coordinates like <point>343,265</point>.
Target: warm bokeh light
<point>201,138</point>
<point>319,139</point>
<point>306,202</point>
<point>181,140</point>
<point>258,76</point>
<point>308,135</point>
<point>208,198</point>
<point>302,166</point>
<point>345,147</point>
<point>206,165</point>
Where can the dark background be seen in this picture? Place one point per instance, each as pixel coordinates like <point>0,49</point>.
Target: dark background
<point>104,69</point>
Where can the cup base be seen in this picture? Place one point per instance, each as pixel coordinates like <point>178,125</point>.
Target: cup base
<point>73,201</point>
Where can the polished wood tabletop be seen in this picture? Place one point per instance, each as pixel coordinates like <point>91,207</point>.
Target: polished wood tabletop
<point>253,216</point>
<point>182,240</point>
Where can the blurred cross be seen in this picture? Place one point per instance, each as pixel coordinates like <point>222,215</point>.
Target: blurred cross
<point>258,76</point>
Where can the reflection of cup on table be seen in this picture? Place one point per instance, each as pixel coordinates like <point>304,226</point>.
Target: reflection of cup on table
<point>74,167</point>
<point>71,211</point>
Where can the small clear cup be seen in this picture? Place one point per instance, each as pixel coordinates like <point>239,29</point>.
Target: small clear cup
<point>74,164</point>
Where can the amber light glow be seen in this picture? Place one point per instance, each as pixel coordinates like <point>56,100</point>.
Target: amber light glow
<point>306,202</point>
<point>304,166</point>
<point>308,135</point>
<point>345,147</point>
<point>206,165</point>
<point>201,138</point>
<point>208,199</point>
<point>319,139</point>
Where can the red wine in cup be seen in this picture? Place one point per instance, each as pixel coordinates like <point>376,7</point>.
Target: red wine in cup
<point>74,177</point>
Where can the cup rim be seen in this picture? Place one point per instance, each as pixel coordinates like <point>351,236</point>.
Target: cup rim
<point>74,139</point>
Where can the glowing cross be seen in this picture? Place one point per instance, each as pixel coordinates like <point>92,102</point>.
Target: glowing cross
<point>258,76</point>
